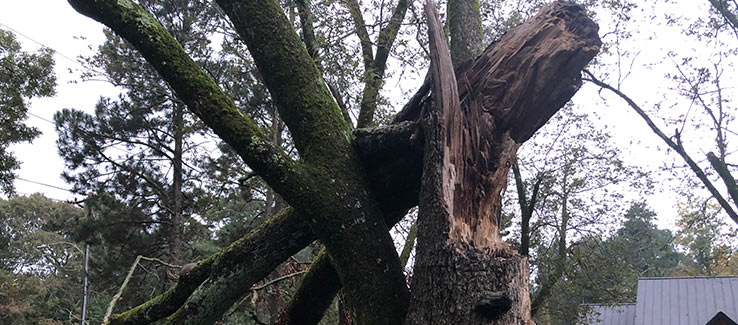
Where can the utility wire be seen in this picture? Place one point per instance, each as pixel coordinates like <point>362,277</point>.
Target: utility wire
<point>46,196</point>
<point>41,118</point>
<point>44,45</point>
<point>44,184</point>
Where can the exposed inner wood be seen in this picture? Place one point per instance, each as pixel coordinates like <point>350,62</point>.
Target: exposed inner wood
<point>505,96</point>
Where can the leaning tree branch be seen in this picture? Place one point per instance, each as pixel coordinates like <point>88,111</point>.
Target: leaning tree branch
<point>343,213</point>
<point>123,286</point>
<point>318,288</point>
<point>677,147</point>
<point>374,69</point>
<point>306,22</point>
<point>292,77</point>
<point>724,173</point>
<point>724,10</point>
<point>397,190</point>
<point>196,89</point>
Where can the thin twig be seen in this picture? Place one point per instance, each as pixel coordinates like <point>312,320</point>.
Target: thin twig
<point>117,296</point>
<point>291,275</point>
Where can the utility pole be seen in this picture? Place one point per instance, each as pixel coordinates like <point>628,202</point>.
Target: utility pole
<point>85,284</point>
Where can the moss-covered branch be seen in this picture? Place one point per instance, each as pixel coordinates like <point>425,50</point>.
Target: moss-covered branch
<point>306,22</point>
<point>242,264</point>
<point>196,89</point>
<point>168,302</point>
<point>314,295</point>
<point>361,31</point>
<point>318,288</point>
<point>374,69</point>
<point>398,186</point>
<point>342,212</point>
<point>292,77</point>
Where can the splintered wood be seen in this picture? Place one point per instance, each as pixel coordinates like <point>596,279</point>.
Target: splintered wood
<point>501,99</point>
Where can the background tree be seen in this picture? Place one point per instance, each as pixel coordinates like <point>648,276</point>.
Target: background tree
<point>575,178</point>
<point>605,270</point>
<point>708,242</point>
<point>23,76</point>
<point>695,104</point>
<point>40,261</point>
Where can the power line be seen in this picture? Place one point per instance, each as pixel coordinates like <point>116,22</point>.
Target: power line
<point>44,184</point>
<point>40,118</point>
<point>44,45</point>
<point>46,196</point>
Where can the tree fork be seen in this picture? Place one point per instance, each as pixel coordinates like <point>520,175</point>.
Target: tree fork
<point>319,287</point>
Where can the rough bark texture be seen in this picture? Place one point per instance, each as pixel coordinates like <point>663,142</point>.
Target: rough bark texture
<point>465,29</point>
<point>464,274</point>
<point>342,213</point>
<point>242,264</point>
<point>314,295</point>
<point>319,287</point>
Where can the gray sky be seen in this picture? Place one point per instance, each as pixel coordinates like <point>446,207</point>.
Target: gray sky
<point>56,25</point>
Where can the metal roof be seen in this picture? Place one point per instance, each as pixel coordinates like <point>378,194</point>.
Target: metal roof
<point>685,301</point>
<point>620,314</point>
<point>673,301</point>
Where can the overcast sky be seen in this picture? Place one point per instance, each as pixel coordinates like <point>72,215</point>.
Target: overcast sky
<point>56,25</point>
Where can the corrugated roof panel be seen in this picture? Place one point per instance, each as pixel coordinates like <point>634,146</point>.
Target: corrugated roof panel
<point>689,301</point>
<point>621,314</point>
<point>640,308</point>
<point>667,294</point>
<point>709,298</point>
<point>718,288</point>
<point>683,306</point>
<point>732,297</point>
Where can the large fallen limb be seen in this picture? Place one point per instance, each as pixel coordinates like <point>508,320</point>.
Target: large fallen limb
<point>230,272</point>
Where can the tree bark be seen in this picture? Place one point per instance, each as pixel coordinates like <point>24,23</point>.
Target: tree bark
<point>465,30</point>
<point>176,226</point>
<point>464,273</point>
<point>526,207</point>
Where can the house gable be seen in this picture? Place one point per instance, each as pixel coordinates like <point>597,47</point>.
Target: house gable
<point>721,319</point>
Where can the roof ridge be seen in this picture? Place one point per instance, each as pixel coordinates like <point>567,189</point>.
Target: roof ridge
<point>610,305</point>
<point>690,277</point>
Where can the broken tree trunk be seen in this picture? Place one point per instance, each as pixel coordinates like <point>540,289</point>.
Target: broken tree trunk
<point>519,82</point>
<point>464,273</point>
